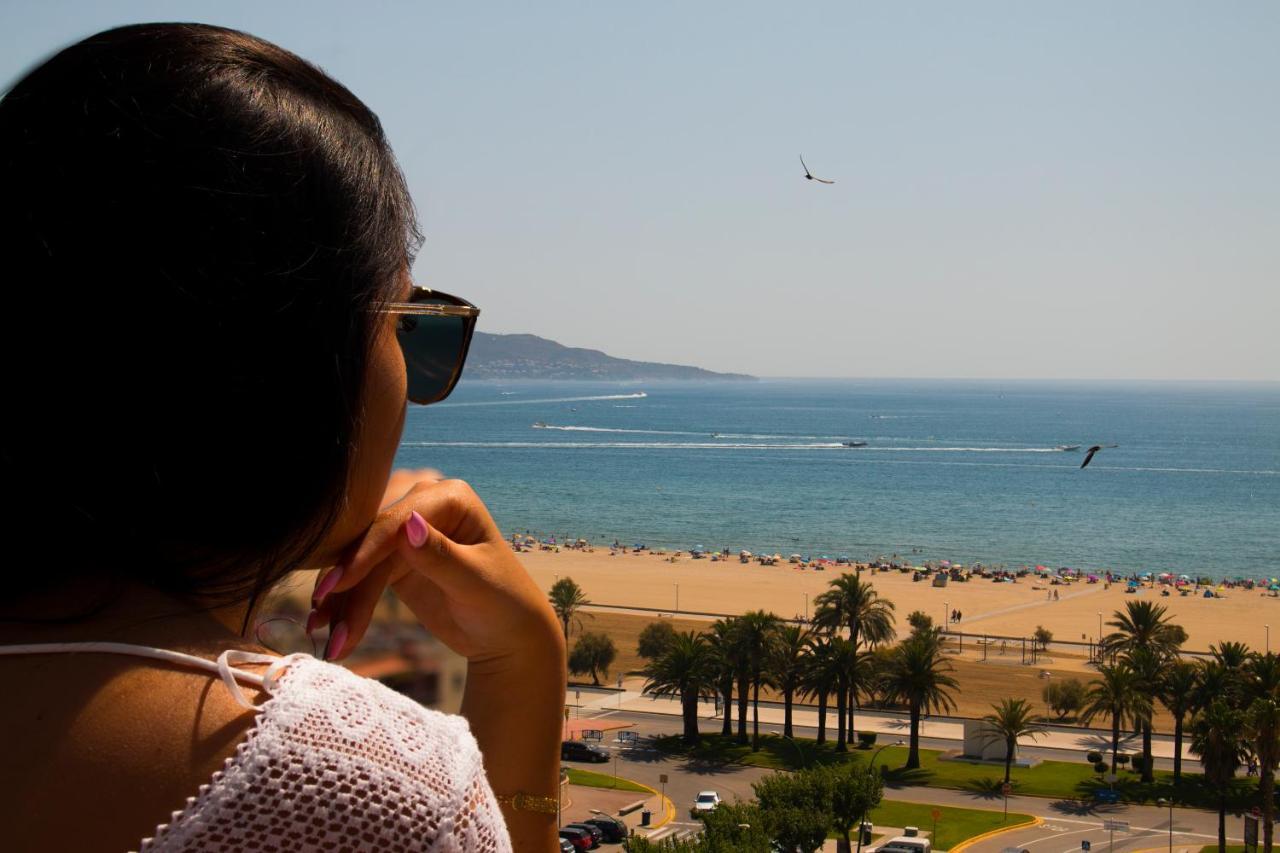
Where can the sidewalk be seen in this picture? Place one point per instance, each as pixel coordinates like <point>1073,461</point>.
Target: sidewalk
<point>891,724</point>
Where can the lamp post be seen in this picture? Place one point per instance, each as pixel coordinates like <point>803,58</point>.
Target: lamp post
<point>677,598</point>
<point>806,607</point>
<point>799,751</point>
<point>1268,627</point>
<point>946,615</point>
<point>871,768</point>
<point>1168,801</point>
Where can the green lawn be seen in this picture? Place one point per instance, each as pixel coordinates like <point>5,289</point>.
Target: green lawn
<point>1056,779</point>
<point>954,825</point>
<point>602,780</point>
<point>1231,848</point>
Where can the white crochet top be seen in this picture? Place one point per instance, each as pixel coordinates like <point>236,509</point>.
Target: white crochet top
<point>333,762</point>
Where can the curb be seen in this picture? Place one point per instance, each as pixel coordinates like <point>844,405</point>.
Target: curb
<point>668,807</point>
<point>963,845</point>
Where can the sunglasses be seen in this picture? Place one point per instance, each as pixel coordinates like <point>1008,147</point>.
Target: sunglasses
<point>434,330</point>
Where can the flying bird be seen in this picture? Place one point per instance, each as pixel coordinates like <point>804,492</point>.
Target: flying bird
<point>1088,455</point>
<point>810,177</point>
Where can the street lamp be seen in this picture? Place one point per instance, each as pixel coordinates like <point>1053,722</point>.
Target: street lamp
<point>799,751</point>
<point>1268,627</point>
<point>1163,801</point>
<point>946,614</point>
<point>871,765</point>
<point>677,598</point>
<point>806,607</point>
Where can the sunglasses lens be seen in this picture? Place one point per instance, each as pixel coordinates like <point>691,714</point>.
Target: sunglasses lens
<point>432,348</point>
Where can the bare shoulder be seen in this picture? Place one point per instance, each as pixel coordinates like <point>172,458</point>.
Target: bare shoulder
<point>118,742</point>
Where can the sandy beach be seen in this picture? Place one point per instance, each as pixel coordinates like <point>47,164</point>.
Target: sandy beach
<point>649,580</point>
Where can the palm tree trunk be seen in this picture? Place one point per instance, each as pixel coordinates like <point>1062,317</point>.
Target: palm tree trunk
<point>822,717</point>
<point>1148,771</point>
<point>786,713</point>
<point>1177,750</point>
<point>726,729</point>
<point>853,701</point>
<point>1115,740</point>
<point>1009,746</point>
<point>689,701</point>
<point>913,757</point>
<point>840,737</point>
<point>743,701</point>
<point>1267,781</point>
<point>755,716</point>
<point>1222,825</point>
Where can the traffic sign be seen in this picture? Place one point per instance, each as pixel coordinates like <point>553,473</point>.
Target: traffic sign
<point>1006,789</point>
<point>662,778</point>
<point>936,814</point>
<point>1116,825</point>
<point>1085,845</point>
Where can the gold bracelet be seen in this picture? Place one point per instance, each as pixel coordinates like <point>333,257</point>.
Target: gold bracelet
<point>520,801</point>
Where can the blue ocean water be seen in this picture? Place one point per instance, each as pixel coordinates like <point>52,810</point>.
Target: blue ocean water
<point>959,470</point>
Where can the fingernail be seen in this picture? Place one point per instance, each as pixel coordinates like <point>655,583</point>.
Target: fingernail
<point>416,529</point>
<point>337,639</point>
<point>313,622</point>
<point>327,585</point>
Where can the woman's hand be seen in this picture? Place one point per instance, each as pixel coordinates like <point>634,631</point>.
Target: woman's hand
<point>440,550</point>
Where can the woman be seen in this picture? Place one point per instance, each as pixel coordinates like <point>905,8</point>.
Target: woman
<point>212,337</point>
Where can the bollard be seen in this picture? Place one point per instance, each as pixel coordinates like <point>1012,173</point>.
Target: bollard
<point>645,817</point>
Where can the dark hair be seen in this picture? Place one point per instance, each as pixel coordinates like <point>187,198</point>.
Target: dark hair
<point>194,223</point>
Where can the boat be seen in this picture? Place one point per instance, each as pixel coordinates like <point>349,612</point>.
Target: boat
<point>853,444</point>
<point>539,425</point>
<point>1067,447</point>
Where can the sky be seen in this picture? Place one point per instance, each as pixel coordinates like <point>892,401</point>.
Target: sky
<point>1083,190</point>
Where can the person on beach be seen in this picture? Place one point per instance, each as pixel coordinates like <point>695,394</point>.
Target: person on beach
<point>213,336</point>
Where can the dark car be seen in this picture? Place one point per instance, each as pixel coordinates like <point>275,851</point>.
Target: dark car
<point>567,846</point>
<point>580,838</point>
<point>576,750</point>
<point>613,831</point>
<point>596,834</point>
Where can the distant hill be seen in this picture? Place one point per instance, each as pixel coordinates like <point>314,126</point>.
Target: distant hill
<point>532,357</point>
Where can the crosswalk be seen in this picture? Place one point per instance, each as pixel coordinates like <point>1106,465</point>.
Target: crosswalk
<point>676,831</point>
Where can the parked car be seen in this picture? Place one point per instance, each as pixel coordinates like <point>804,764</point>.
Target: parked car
<point>566,846</point>
<point>596,835</point>
<point>904,844</point>
<point>705,802</point>
<point>576,750</point>
<point>580,838</point>
<point>612,829</point>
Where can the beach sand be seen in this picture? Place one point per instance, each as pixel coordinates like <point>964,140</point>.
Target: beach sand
<point>1009,609</point>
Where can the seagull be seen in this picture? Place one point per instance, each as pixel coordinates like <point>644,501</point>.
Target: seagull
<point>809,177</point>
<point>1088,454</point>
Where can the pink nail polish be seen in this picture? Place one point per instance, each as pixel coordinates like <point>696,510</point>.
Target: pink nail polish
<point>327,585</point>
<point>313,622</point>
<point>416,530</point>
<point>337,640</point>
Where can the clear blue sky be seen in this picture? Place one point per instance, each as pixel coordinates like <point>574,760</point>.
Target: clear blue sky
<point>1086,189</point>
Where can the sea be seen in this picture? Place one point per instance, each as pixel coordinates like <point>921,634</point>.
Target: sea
<point>967,471</point>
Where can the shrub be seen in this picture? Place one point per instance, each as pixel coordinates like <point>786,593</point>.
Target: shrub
<point>866,740</point>
<point>1043,636</point>
<point>1101,767</point>
<point>654,639</point>
<point>1093,757</point>
<point>920,621</point>
<point>1122,759</point>
<point>1065,697</point>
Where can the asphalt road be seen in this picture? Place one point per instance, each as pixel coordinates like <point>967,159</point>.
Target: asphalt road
<point>1064,824</point>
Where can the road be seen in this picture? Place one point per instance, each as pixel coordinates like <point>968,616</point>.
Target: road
<point>1064,823</point>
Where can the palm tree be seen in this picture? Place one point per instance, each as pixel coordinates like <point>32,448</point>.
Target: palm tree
<point>1143,625</point>
<point>1116,694</point>
<point>1149,666</point>
<point>755,638</point>
<point>1217,736</point>
<point>1231,655</point>
<point>1177,692</point>
<point>1262,721</point>
<point>786,667</point>
<point>821,677</point>
<point>1012,720</point>
<point>1214,681</point>
<point>687,668</point>
<point>566,599</point>
<point>721,641</point>
<point>854,604</point>
<point>918,675</point>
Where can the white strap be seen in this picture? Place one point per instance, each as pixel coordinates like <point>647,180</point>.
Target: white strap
<point>224,666</point>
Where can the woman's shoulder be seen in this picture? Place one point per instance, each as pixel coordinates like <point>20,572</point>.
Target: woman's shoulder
<point>334,757</point>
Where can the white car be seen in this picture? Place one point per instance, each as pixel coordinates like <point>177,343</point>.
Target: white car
<point>706,801</point>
